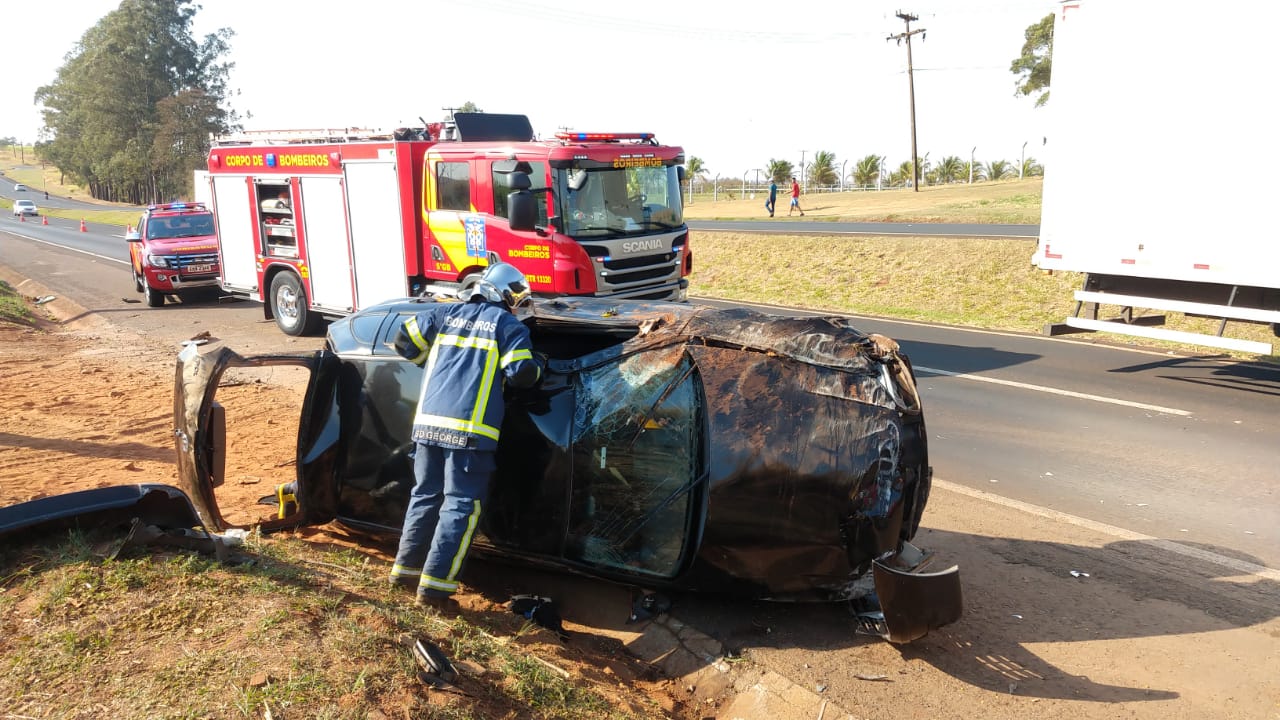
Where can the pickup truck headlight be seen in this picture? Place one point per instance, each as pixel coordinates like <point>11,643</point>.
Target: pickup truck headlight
<point>160,261</point>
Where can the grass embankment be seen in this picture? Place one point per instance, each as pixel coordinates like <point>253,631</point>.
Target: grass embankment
<point>13,307</point>
<point>303,631</point>
<point>21,165</point>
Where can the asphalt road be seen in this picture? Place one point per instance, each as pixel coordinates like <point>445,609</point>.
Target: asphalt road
<point>36,195</point>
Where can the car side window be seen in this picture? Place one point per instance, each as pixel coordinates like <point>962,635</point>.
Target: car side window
<point>636,460</point>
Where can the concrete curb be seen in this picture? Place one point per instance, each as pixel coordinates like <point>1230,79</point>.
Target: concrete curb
<point>730,690</point>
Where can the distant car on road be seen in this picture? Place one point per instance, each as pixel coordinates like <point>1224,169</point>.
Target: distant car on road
<point>19,187</point>
<point>24,207</point>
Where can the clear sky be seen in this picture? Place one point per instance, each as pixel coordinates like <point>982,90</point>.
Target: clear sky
<point>734,83</point>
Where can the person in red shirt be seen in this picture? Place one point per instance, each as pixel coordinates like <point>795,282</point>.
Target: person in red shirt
<point>795,197</point>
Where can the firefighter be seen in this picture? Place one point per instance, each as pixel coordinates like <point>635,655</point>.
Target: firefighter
<point>467,350</point>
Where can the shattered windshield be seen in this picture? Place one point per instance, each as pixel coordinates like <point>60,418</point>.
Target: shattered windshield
<point>603,202</point>
<point>636,461</point>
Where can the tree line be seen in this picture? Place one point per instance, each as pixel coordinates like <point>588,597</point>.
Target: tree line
<point>131,111</point>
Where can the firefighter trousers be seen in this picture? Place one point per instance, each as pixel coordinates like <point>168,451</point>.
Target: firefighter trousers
<point>450,488</point>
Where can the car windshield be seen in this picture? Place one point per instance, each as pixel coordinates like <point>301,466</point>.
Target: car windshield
<point>180,226</point>
<point>618,201</point>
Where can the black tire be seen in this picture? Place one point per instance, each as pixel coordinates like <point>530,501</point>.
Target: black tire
<point>154,297</point>
<point>290,308</point>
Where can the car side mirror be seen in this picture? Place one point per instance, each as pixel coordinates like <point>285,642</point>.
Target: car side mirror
<point>133,236</point>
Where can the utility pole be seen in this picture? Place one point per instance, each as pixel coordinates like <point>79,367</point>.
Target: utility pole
<point>911,88</point>
<point>971,155</point>
<point>803,181</point>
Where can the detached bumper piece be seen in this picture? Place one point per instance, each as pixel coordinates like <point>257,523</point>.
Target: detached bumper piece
<point>152,515</point>
<point>909,602</point>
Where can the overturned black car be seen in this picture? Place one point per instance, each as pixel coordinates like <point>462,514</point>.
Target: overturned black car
<point>671,446</point>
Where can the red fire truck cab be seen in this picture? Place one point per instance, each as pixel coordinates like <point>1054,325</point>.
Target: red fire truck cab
<point>317,223</point>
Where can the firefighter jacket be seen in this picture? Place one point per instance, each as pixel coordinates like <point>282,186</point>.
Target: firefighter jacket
<point>467,349</point>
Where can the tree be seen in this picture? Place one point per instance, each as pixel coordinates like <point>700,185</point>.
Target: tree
<point>867,171</point>
<point>696,169</point>
<point>823,170</point>
<point>997,170</point>
<point>949,169</point>
<point>1031,168</point>
<point>1034,66</point>
<point>132,107</point>
<point>780,171</point>
<point>902,175</point>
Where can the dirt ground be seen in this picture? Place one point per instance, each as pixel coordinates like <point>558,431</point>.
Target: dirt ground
<point>92,407</point>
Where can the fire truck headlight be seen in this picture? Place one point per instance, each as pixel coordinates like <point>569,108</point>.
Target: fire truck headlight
<point>160,261</point>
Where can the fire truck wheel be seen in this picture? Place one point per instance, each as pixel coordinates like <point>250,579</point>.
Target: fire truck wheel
<point>154,299</point>
<point>289,306</point>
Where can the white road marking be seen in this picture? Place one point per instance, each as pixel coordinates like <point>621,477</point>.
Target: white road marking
<point>1241,566</point>
<point>68,247</point>
<point>1054,391</point>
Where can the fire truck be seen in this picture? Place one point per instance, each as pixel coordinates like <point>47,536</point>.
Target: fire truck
<point>321,223</point>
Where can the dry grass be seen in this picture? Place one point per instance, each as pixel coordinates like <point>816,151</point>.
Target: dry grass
<point>975,282</point>
<point>304,630</point>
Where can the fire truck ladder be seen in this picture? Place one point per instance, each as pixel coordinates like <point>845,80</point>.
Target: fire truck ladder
<point>302,137</point>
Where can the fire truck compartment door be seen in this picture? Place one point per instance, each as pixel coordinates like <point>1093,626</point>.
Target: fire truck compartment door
<point>377,232</point>
<point>328,251</point>
<point>235,233</point>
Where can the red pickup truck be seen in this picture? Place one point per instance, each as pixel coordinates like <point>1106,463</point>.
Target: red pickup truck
<point>174,250</point>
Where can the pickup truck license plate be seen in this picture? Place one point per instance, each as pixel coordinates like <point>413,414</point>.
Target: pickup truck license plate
<point>206,267</point>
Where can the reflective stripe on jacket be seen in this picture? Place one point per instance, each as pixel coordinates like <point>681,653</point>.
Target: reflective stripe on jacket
<point>468,348</point>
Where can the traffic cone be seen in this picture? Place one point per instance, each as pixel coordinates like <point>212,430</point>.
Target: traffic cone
<point>22,217</point>
<point>44,219</point>
<point>82,227</point>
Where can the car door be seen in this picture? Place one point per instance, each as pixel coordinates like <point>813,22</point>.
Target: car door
<point>637,464</point>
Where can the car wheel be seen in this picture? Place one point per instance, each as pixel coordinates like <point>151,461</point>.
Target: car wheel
<point>154,298</point>
<point>289,306</point>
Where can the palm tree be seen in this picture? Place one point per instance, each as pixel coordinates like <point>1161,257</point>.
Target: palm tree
<point>780,171</point>
<point>1030,168</point>
<point>973,170</point>
<point>950,169</point>
<point>902,175</point>
<point>823,170</point>
<point>867,171</point>
<point>695,170</point>
<point>997,170</point>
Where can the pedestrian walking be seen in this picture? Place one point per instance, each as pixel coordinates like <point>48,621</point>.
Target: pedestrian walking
<point>773,197</point>
<point>795,197</point>
<point>467,349</point>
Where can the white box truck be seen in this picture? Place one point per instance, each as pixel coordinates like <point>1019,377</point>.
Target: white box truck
<point>1158,184</point>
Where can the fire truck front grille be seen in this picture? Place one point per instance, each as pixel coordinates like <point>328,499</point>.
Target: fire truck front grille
<point>201,261</point>
<point>620,264</point>
<point>639,276</point>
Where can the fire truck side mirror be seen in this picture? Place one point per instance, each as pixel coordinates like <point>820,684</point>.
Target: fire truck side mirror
<point>522,212</point>
<point>680,173</point>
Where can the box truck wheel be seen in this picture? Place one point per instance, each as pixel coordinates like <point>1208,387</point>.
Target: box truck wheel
<point>289,306</point>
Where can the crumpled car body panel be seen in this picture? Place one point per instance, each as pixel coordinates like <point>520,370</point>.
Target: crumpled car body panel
<point>670,446</point>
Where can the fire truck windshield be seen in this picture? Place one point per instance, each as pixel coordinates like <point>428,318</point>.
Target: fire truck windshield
<point>618,201</point>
